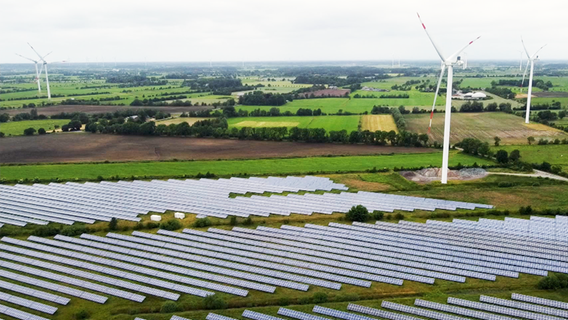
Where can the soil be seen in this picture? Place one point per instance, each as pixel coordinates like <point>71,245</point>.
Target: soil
<point>48,111</point>
<point>85,147</point>
<point>434,174</point>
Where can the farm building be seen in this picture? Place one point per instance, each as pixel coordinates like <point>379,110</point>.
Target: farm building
<point>474,95</point>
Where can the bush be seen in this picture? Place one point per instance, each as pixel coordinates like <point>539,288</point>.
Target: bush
<point>233,221</point>
<point>528,210</point>
<point>399,216</point>
<point>113,224</point>
<point>81,315</point>
<point>41,131</point>
<point>29,131</point>
<point>45,231</point>
<point>284,301</point>
<point>319,297</point>
<point>358,213</point>
<point>554,282</point>
<point>214,302</point>
<point>171,225</point>
<point>504,184</point>
<point>152,225</point>
<point>378,215</point>
<point>248,221</point>
<point>72,231</point>
<point>169,307</point>
<point>201,223</point>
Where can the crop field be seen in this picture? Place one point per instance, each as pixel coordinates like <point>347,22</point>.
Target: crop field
<point>329,123</point>
<point>483,126</point>
<point>553,154</point>
<point>127,95</point>
<point>278,86</point>
<point>83,171</point>
<point>86,147</point>
<point>90,109</point>
<point>374,122</point>
<point>17,128</point>
<point>178,120</point>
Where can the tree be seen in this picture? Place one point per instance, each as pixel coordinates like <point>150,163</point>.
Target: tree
<point>515,155</point>
<point>358,213</point>
<point>29,131</point>
<point>497,140</point>
<point>113,224</point>
<point>502,156</point>
<point>171,225</point>
<point>41,131</point>
<point>561,114</point>
<point>530,140</point>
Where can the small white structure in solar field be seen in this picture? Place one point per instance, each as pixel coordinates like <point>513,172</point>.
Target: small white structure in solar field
<point>179,215</point>
<point>155,217</point>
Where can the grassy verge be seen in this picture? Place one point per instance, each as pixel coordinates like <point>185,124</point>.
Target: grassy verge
<point>90,171</point>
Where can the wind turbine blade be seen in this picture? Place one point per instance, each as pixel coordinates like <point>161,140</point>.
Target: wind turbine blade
<point>436,95</point>
<point>36,52</point>
<point>26,58</point>
<point>525,74</point>
<point>526,51</point>
<point>46,55</point>
<point>431,40</point>
<point>453,56</point>
<point>538,51</point>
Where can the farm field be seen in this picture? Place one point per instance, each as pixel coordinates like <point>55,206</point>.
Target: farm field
<point>483,126</point>
<point>374,122</point>
<point>17,128</point>
<point>329,123</point>
<point>82,171</point>
<point>102,147</point>
<point>189,120</point>
<point>555,154</point>
<point>98,89</point>
<point>51,110</point>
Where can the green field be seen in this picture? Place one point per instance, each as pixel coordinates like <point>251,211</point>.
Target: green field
<point>232,167</point>
<point>483,126</point>
<point>553,154</point>
<point>17,128</point>
<point>329,123</point>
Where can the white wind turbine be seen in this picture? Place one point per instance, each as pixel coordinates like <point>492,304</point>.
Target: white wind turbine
<point>45,68</point>
<point>447,62</point>
<point>531,60</point>
<point>36,68</point>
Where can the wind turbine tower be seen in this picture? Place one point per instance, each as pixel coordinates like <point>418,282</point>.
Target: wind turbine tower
<point>38,73</point>
<point>449,63</point>
<point>531,60</point>
<point>45,68</point>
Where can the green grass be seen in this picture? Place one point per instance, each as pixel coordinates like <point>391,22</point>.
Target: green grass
<point>231,167</point>
<point>553,154</point>
<point>17,128</point>
<point>329,123</point>
<point>483,126</point>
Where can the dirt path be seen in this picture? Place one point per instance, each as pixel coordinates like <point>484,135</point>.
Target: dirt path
<point>536,174</point>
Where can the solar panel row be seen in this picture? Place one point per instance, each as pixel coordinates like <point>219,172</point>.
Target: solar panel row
<point>88,202</point>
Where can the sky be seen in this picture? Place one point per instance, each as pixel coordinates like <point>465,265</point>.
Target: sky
<point>285,30</point>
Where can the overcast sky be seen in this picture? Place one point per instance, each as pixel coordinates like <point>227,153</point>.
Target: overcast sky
<point>278,30</point>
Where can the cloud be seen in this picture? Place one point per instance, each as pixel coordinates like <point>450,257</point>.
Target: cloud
<point>253,30</point>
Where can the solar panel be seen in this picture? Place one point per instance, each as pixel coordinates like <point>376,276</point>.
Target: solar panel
<point>34,293</point>
<point>213,316</point>
<point>18,314</point>
<point>258,316</point>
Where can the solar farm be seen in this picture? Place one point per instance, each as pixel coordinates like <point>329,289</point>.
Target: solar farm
<point>89,202</point>
<point>139,266</point>
<point>489,308</point>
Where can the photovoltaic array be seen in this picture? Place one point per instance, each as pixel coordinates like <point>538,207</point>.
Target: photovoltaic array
<point>89,202</point>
